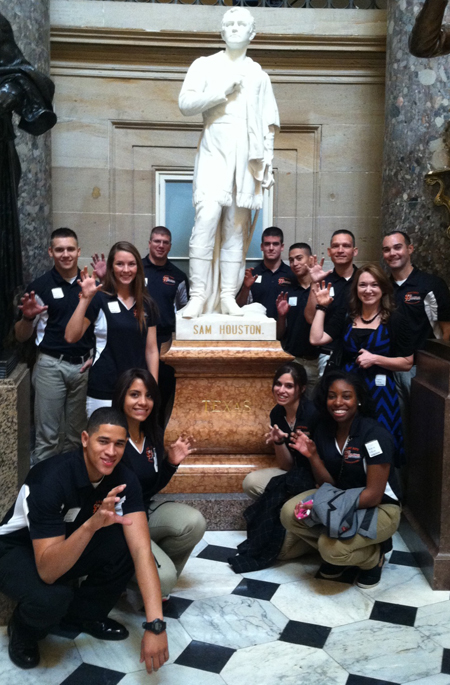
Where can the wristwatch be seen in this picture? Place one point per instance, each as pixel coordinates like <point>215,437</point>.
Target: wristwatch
<point>157,626</point>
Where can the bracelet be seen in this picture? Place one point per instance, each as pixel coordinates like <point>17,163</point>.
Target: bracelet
<point>27,318</point>
<point>321,307</point>
<point>278,443</point>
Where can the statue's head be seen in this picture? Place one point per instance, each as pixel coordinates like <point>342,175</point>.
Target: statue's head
<point>238,27</point>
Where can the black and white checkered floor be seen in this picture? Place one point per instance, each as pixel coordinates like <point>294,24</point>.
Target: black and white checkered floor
<point>280,625</point>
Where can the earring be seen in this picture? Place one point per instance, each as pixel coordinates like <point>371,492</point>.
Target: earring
<point>359,404</point>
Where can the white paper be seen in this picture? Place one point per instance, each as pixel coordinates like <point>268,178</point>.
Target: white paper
<point>373,448</point>
<point>72,514</point>
<point>293,301</point>
<point>380,379</point>
<point>114,307</point>
<point>258,279</point>
<point>57,293</point>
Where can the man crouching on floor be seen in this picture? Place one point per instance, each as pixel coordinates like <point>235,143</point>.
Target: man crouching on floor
<point>80,515</point>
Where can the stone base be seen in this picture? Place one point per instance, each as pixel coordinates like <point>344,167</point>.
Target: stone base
<point>221,511</point>
<point>253,325</point>
<point>14,447</point>
<point>223,398</point>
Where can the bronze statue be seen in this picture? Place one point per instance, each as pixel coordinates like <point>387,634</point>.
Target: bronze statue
<point>428,37</point>
<point>28,93</point>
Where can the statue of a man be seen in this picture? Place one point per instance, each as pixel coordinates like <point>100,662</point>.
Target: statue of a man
<point>428,37</point>
<point>233,163</point>
<point>27,92</point>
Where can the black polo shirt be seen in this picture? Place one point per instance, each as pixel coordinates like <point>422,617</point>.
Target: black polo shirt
<point>424,300</point>
<point>296,336</point>
<point>368,444</point>
<point>119,343</point>
<point>165,285</point>
<point>62,299</point>
<point>306,419</point>
<point>151,468</point>
<point>57,498</point>
<point>269,285</point>
<point>340,290</point>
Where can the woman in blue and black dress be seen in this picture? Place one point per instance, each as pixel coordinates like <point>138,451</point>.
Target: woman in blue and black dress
<point>372,341</point>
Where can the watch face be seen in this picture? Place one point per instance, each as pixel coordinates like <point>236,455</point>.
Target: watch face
<point>157,626</point>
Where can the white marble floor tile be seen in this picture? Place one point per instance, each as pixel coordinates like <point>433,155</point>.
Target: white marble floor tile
<point>233,621</point>
<point>322,602</point>
<point>405,585</point>
<point>434,621</point>
<point>199,547</point>
<point>59,658</point>
<point>288,571</point>
<point>203,578</point>
<point>398,543</point>
<point>173,675</point>
<point>384,651</point>
<point>440,679</point>
<point>281,662</point>
<point>225,538</point>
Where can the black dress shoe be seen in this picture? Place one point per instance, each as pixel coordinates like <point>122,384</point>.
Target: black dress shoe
<point>23,651</point>
<point>108,629</point>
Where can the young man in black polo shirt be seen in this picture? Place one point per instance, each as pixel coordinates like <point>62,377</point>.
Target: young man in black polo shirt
<point>59,376</point>
<point>80,514</point>
<point>424,299</point>
<point>292,327</point>
<point>270,277</point>
<point>342,251</point>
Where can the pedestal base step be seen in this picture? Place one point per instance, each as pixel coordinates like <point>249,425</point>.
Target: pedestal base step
<point>222,511</point>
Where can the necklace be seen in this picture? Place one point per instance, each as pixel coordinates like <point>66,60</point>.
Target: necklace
<point>366,321</point>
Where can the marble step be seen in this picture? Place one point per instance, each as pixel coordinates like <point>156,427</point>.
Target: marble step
<point>222,511</point>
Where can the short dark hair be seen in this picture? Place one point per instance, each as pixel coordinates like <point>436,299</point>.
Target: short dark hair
<point>297,372</point>
<point>405,235</point>
<point>63,233</point>
<point>105,415</point>
<point>366,405</point>
<point>162,230</point>
<point>273,231</point>
<point>346,232</point>
<point>301,246</point>
<point>125,380</point>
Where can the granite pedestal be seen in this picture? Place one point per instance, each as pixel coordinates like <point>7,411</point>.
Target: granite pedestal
<point>223,398</point>
<point>427,498</point>
<point>14,446</point>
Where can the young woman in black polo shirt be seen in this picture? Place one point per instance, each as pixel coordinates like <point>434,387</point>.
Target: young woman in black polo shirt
<point>124,317</point>
<point>175,528</point>
<point>350,450</point>
<point>372,341</point>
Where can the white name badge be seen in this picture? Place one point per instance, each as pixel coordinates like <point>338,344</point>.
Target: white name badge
<point>114,307</point>
<point>258,279</point>
<point>146,281</point>
<point>57,293</point>
<point>380,379</point>
<point>118,506</point>
<point>71,515</point>
<point>331,291</point>
<point>373,448</point>
<point>292,301</point>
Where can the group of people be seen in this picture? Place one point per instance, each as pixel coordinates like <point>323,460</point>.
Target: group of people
<point>97,414</point>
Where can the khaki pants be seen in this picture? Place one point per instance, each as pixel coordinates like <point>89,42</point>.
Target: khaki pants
<point>357,551</point>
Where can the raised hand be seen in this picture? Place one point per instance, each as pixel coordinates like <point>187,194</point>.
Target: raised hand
<point>249,278</point>
<point>99,265</point>
<point>366,359</point>
<point>322,293</point>
<point>106,513</point>
<point>180,449</point>
<point>316,270</point>
<point>88,284</point>
<point>275,434</point>
<point>299,441</point>
<point>30,308</point>
<point>282,303</point>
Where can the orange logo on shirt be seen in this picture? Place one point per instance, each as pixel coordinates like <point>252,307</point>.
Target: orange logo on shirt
<point>284,281</point>
<point>150,453</point>
<point>352,455</point>
<point>412,297</point>
<point>169,280</point>
<point>97,505</point>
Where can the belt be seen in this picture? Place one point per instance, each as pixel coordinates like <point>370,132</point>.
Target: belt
<point>67,357</point>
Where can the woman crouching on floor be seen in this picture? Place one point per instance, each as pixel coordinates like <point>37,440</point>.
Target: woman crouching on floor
<point>352,516</point>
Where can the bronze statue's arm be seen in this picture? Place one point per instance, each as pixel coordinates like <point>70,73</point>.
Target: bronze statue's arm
<point>428,37</point>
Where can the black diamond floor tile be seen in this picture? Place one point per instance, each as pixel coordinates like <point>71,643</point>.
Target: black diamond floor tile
<point>175,606</point>
<point>94,675</point>
<point>305,634</point>
<point>217,553</point>
<point>445,668</point>
<point>393,613</point>
<point>205,657</point>
<point>403,559</point>
<point>258,589</point>
<point>362,680</point>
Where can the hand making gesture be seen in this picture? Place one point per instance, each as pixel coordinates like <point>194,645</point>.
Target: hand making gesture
<point>282,303</point>
<point>316,270</point>
<point>106,513</point>
<point>249,278</point>
<point>180,449</point>
<point>322,293</point>
<point>88,284</point>
<point>275,435</point>
<point>99,265</point>
<point>30,308</point>
<point>299,441</point>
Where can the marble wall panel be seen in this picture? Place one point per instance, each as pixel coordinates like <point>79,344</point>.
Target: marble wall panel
<point>80,144</point>
<point>91,188</point>
<point>350,193</point>
<point>93,231</point>
<point>352,147</point>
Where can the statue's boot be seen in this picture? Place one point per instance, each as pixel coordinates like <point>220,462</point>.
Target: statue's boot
<point>198,278</point>
<point>229,277</point>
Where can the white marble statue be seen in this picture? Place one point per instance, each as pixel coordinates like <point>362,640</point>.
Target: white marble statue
<point>233,163</point>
